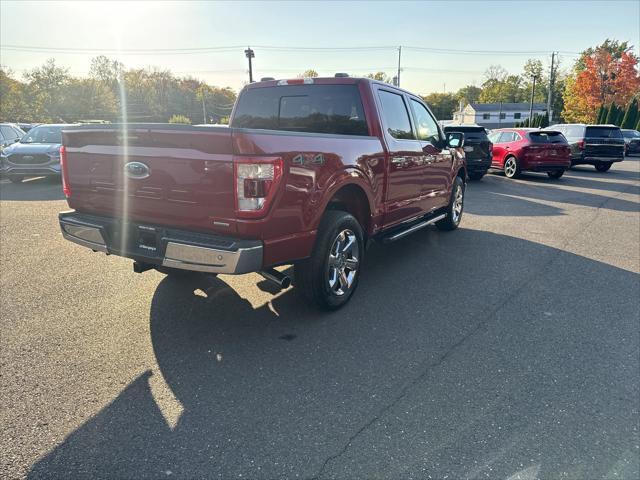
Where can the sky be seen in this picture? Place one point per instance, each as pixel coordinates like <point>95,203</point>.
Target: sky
<point>291,37</point>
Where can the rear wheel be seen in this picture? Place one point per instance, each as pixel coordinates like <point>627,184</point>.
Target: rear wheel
<point>511,167</point>
<point>603,166</point>
<point>330,276</point>
<point>16,178</point>
<point>476,175</point>
<point>555,174</point>
<point>455,207</point>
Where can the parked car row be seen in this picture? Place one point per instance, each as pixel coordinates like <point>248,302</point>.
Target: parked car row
<point>552,150</point>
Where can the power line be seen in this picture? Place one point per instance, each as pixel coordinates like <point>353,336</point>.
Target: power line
<point>275,48</point>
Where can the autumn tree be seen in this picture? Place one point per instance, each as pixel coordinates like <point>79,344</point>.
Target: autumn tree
<point>381,77</point>
<point>308,74</point>
<point>442,104</point>
<point>603,75</point>
<point>469,94</point>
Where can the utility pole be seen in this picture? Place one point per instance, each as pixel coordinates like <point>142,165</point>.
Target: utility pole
<point>499,115</point>
<point>533,89</point>
<point>551,82</point>
<point>399,56</point>
<point>204,110</point>
<point>249,54</point>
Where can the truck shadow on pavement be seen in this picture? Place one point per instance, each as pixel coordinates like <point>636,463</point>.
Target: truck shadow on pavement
<point>31,189</point>
<point>448,361</point>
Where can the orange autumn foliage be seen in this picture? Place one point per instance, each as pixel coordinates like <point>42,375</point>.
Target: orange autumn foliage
<point>604,79</point>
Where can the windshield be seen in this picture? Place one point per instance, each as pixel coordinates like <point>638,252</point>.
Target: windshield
<point>43,134</point>
<point>603,132</point>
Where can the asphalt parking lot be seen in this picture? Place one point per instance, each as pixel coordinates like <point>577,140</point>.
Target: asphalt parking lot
<point>507,349</point>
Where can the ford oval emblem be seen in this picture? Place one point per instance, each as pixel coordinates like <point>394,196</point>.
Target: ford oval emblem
<point>137,170</point>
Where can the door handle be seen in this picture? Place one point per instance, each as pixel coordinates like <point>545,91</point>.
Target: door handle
<point>399,160</point>
<point>431,158</point>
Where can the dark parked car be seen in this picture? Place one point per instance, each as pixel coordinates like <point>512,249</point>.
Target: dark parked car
<point>307,172</point>
<point>518,149</point>
<point>10,133</point>
<point>597,145</point>
<point>632,141</point>
<point>477,148</point>
<point>37,153</point>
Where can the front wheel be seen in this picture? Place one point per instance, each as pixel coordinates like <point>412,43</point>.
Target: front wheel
<point>603,166</point>
<point>555,174</point>
<point>511,168</point>
<point>455,207</point>
<point>330,276</point>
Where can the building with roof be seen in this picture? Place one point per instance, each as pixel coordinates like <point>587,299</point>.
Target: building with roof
<point>496,115</point>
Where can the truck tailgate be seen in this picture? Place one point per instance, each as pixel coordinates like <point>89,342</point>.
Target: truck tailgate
<point>175,175</point>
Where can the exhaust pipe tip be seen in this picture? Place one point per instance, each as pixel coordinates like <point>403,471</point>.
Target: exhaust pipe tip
<point>279,279</point>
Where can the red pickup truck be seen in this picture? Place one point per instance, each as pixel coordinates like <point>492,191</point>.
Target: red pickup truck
<point>307,173</point>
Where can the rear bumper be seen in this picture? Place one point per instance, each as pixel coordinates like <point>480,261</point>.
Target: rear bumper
<point>162,246</point>
<point>478,164</point>
<point>591,160</point>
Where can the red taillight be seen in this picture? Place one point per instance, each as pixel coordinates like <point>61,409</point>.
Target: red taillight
<point>66,188</point>
<point>256,184</point>
<point>580,145</point>
<point>296,81</point>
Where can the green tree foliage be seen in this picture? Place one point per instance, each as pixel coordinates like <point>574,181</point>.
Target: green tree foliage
<point>612,114</point>
<point>442,104</point>
<point>111,92</point>
<point>180,119</point>
<point>631,114</point>
<point>601,111</point>
<point>638,124</point>
<point>469,94</point>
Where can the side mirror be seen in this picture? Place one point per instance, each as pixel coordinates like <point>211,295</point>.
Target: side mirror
<point>455,139</point>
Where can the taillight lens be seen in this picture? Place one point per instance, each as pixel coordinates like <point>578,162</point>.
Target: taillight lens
<point>581,145</point>
<point>256,183</point>
<point>66,188</point>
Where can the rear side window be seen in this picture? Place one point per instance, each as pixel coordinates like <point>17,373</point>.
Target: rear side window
<point>603,132</point>
<point>334,109</point>
<point>507,137</point>
<point>396,115</point>
<point>546,137</point>
<point>9,133</point>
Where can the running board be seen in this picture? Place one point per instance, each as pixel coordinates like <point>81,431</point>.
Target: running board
<point>392,237</point>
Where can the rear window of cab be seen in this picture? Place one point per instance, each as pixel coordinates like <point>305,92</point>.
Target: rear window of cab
<point>470,133</point>
<point>332,109</point>
<point>546,137</point>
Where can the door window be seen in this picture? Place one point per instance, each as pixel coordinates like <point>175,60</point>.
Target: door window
<point>396,116</point>
<point>8,133</point>
<point>425,124</point>
<point>506,137</point>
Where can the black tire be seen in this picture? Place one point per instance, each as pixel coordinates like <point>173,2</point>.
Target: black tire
<point>318,278</point>
<point>511,167</point>
<point>476,175</point>
<point>16,178</point>
<point>555,174</point>
<point>603,166</point>
<point>455,207</point>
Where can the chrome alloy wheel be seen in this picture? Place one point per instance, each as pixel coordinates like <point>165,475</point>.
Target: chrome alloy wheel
<point>343,262</point>
<point>510,167</point>
<point>458,200</point>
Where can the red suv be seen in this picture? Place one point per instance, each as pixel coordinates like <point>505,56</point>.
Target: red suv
<point>517,150</point>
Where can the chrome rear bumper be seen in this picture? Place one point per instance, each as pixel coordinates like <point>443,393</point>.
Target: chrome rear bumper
<point>160,246</point>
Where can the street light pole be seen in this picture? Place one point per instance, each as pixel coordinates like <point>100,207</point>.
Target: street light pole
<point>533,89</point>
<point>249,54</point>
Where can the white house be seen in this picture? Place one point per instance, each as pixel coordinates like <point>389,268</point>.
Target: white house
<point>496,115</point>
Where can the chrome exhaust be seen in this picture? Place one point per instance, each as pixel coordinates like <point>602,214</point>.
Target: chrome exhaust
<point>279,279</point>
